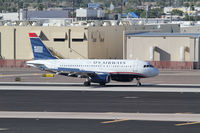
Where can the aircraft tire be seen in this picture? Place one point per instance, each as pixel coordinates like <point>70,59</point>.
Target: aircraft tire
<point>139,84</point>
<point>86,83</point>
<point>102,84</point>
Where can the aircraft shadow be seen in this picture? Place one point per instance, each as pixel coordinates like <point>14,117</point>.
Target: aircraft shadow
<point>150,86</point>
<point>98,86</point>
<point>39,84</point>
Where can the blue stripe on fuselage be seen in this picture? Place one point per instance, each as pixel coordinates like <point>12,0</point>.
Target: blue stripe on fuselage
<point>73,70</point>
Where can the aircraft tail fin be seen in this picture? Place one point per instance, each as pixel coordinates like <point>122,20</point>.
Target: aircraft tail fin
<point>40,51</point>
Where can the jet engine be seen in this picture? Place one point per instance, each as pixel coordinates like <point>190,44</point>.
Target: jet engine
<point>122,78</point>
<point>100,78</point>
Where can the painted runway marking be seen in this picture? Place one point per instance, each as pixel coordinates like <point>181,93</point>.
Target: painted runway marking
<point>34,74</point>
<point>187,123</point>
<point>114,121</point>
<point>78,87</point>
<point>3,129</point>
<point>115,117</point>
<point>185,113</point>
<point>131,97</point>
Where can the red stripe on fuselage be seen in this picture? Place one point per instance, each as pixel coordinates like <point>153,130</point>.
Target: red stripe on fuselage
<point>33,35</point>
<point>125,73</point>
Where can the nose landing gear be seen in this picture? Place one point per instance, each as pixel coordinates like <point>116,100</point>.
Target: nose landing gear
<point>138,82</point>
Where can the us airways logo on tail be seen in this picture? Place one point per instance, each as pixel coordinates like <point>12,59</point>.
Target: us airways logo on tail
<point>40,51</point>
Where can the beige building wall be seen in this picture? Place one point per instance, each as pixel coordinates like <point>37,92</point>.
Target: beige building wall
<point>190,29</point>
<point>23,47</point>
<point>23,50</point>
<point>164,48</point>
<point>79,42</point>
<point>7,42</point>
<point>79,49</point>
<point>70,47</point>
<point>195,49</point>
<point>104,42</point>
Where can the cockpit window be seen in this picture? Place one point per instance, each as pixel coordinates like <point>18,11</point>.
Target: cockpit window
<point>148,66</point>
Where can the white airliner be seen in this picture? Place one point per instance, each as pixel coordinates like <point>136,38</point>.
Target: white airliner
<point>93,70</point>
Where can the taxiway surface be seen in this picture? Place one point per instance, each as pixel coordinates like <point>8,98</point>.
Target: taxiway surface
<point>99,101</point>
<point>92,126</point>
<point>167,103</point>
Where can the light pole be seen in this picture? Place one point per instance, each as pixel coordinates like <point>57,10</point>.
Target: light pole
<point>121,7</point>
<point>18,10</point>
<point>147,9</point>
<point>73,9</point>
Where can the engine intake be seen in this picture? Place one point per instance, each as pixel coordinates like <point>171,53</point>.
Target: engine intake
<point>122,78</point>
<point>100,78</point>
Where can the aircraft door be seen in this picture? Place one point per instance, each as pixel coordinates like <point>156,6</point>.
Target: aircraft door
<point>54,65</point>
<point>135,67</point>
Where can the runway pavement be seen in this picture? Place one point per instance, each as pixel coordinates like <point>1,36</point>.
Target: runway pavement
<point>167,103</point>
<point>125,87</point>
<point>92,126</point>
<point>63,108</point>
<point>116,117</point>
<point>99,101</point>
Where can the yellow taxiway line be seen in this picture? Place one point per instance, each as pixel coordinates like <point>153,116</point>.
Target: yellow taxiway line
<point>114,121</point>
<point>12,75</point>
<point>187,123</point>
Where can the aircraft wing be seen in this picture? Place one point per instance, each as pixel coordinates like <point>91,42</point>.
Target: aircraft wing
<point>77,72</point>
<point>73,72</point>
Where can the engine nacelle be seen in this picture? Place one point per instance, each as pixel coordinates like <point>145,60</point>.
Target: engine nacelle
<point>122,78</point>
<point>100,78</point>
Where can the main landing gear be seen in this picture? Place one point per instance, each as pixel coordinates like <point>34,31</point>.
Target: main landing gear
<point>87,82</point>
<point>102,84</point>
<point>138,82</point>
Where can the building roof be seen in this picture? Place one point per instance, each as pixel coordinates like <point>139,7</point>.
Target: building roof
<point>158,34</point>
<point>45,14</point>
<point>131,15</point>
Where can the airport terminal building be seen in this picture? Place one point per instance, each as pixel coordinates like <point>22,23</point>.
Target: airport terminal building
<point>164,50</point>
<point>74,42</point>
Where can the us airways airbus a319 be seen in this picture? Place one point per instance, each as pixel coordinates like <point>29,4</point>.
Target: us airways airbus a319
<point>100,71</point>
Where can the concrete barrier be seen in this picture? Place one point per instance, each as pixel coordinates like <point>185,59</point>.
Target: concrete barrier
<point>175,65</point>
